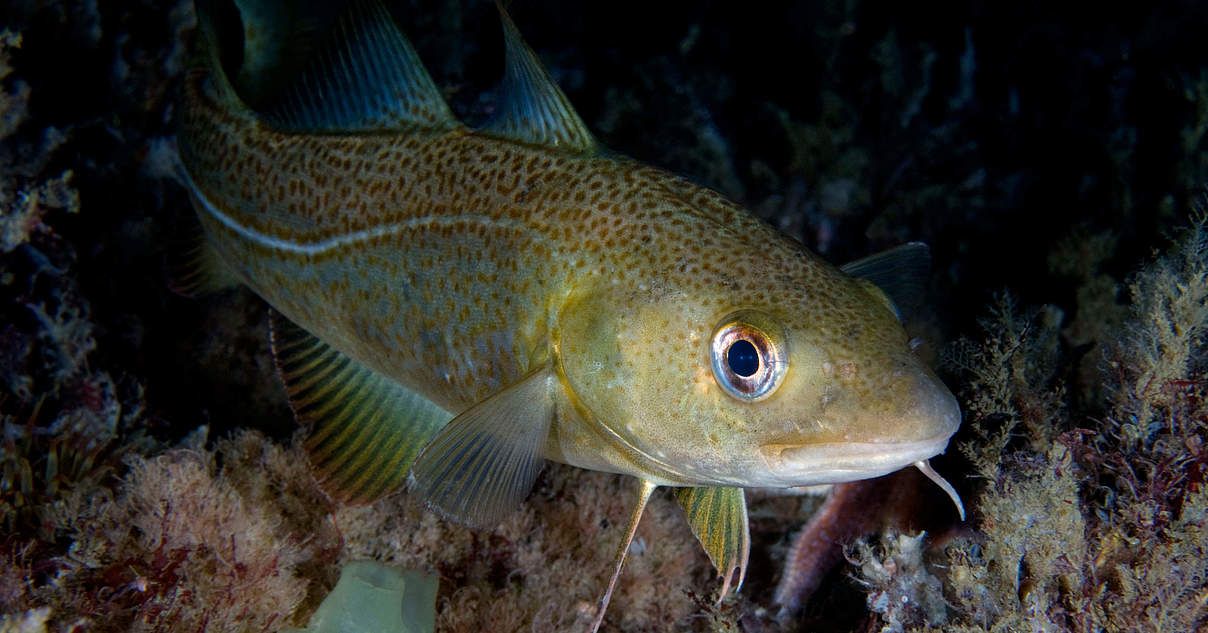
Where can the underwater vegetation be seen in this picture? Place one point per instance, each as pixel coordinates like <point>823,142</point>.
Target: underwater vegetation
<point>1091,524</point>
<point>151,479</point>
<point>373,597</point>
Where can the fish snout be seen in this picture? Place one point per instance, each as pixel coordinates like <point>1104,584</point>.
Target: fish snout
<point>932,412</point>
<point>914,425</point>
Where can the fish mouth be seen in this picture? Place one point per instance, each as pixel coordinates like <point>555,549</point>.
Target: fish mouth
<point>912,434</point>
<point>837,462</point>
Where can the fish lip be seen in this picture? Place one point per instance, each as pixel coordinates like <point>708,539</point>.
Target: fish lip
<point>837,462</point>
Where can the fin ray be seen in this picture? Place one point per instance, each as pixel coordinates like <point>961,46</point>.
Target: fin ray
<point>900,272</point>
<point>533,109</point>
<point>718,516</point>
<point>484,463</point>
<point>365,77</point>
<point>365,428</point>
<point>196,268</point>
<point>645,489</point>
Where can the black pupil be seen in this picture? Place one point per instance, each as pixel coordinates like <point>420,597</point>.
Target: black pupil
<point>743,358</point>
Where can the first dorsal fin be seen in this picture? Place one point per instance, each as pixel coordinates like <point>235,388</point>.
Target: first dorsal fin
<point>533,108</point>
<point>900,272</point>
<point>364,77</point>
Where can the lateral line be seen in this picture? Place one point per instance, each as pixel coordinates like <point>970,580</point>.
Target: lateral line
<point>331,243</point>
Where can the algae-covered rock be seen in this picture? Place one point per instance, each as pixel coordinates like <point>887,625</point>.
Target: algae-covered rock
<point>375,598</point>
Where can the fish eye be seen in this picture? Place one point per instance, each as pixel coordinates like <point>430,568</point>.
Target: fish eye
<point>743,358</point>
<point>749,356</point>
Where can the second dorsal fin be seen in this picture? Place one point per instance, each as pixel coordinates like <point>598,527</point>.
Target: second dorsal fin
<point>533,108</point>
<point>364,76</point>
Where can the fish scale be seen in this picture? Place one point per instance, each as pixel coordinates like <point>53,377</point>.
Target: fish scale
<point>454,305</point>
<point>472,220</point>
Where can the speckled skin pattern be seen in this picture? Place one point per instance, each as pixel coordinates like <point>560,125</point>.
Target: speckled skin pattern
<point>456,262</point>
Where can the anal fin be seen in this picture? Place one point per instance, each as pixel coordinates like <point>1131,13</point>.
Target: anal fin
<point>718,516</point>
<point>484,463</point>
<point>365,428</point>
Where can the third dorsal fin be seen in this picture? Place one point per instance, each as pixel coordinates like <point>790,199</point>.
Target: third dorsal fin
<point>533,108</point>
<point>364,76</point>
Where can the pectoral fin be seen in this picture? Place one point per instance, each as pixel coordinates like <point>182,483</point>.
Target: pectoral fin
<point>484,463</point>
<point>718,517</point>
<point>365,428</point>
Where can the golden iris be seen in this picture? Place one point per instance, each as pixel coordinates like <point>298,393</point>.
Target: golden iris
<point>749,355</point>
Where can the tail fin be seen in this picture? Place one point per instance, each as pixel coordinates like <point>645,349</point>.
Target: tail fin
<point>193,266</point>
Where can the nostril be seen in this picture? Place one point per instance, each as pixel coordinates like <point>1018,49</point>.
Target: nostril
<point>935,411</point>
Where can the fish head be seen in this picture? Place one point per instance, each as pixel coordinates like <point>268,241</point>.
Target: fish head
<point>794,374</point>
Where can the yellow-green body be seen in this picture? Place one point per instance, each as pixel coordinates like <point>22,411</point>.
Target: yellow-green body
<point>456,263</point>
<point>569,288</point>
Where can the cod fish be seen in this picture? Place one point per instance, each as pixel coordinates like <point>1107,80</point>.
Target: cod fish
<point>455,305</point>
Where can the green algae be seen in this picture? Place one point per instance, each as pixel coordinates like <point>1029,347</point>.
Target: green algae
<point>374,598</point>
